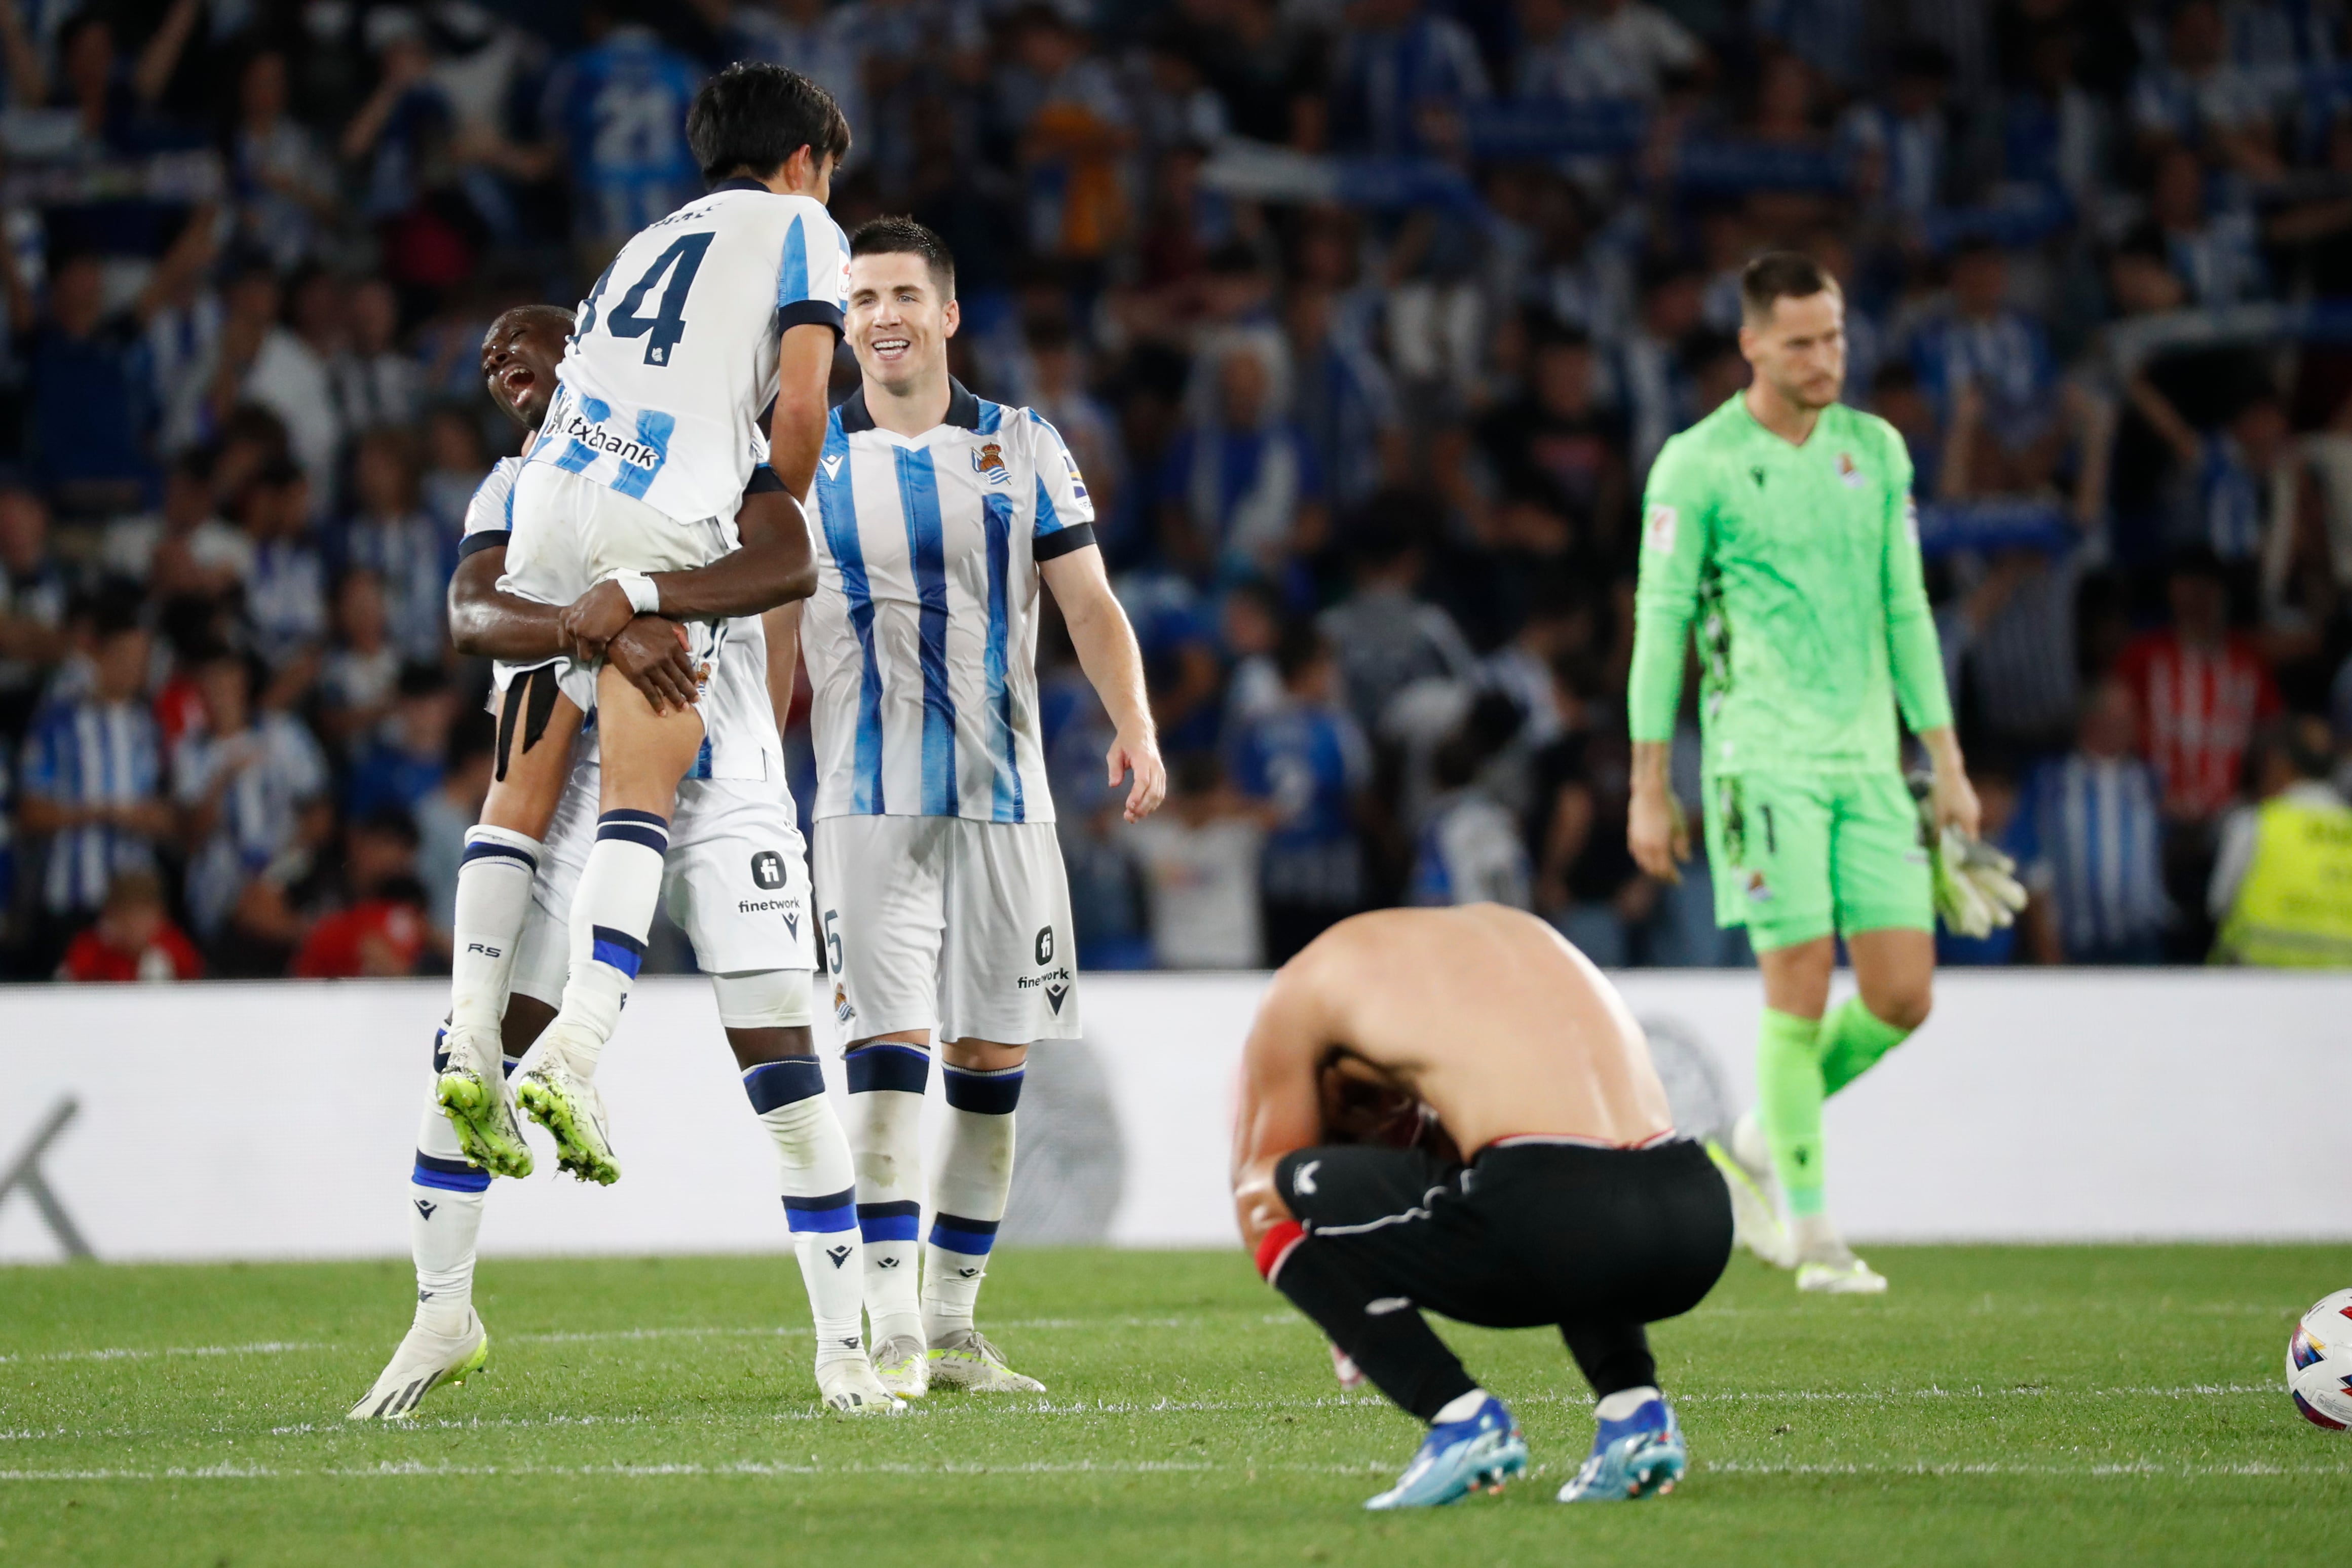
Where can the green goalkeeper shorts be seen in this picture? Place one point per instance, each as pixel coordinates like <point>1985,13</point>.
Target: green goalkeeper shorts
<point>1798,856</point>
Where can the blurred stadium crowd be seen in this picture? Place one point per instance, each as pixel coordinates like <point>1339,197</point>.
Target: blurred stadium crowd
<point>1364,318</point>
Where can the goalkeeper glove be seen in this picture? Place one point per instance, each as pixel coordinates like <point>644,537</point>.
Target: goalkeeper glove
<point>1976,886</point>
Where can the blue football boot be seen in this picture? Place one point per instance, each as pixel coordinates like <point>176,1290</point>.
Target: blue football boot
<point>1457,1457</point>
<point>1641,1455</point>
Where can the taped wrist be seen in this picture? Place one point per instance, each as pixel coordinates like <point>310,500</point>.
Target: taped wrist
<point>644,597</point>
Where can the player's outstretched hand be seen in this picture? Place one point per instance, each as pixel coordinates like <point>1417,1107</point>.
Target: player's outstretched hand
<point>1657,833</point>
<point>595,618</point>
<point>650,653</point>
<point>1138,756</point>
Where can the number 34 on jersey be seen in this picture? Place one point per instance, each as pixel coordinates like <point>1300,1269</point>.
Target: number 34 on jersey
<point>673,358</point>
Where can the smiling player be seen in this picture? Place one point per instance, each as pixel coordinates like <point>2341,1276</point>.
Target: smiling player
<point>736,880</point>
<point>944,898</point>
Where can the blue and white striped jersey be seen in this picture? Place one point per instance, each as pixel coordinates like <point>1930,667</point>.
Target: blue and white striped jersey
<point>490,515</point>
<point>89,753</point>
<point>921,639</point>
<point>674,356</point>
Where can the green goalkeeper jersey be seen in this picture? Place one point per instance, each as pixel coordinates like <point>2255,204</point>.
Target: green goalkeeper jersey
<point>1800,566</point>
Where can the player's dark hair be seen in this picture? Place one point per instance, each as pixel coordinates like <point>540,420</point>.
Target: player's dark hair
<point>753,116</point>
<point>1779,275</point>
<point>905,237</point>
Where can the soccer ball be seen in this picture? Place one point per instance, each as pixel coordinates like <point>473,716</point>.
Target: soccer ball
<point>2319,1363</point>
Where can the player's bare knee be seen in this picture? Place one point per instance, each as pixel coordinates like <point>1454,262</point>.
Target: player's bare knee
<point>981,1055</point>
<point>766,1014</point>
<point>1904,1005</point>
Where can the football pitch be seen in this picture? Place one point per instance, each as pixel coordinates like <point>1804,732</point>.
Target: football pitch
<point>2003,1404</point>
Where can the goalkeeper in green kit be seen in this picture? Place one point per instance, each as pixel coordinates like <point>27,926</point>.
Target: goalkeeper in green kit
<point>1781,528</point>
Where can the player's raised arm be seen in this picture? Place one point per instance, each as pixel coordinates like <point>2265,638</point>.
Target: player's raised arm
<point>1673,552</point>
<point>1913,655</point>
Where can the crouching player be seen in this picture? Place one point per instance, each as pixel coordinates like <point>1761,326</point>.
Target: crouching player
<point>1452,1110</point>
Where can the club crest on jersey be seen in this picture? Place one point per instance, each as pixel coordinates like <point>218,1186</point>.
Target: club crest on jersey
<point>1848,472</point>
<point>988,461</point>
<point>1658,529</point>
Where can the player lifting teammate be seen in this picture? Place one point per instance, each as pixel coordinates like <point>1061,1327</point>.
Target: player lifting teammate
<point>627,504</point>
<point>937,513</point>
<point>735,880</point>
<point>1452,1110</point>
<point>1782,525</point>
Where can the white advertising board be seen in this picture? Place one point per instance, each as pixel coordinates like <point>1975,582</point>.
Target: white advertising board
<point>276,1121</point>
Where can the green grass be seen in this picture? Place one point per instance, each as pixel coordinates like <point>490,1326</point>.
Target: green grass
<point>2021,1404</point>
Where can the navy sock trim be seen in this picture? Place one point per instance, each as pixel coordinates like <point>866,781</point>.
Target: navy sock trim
<point>618,948</point>
<point>652,838</point>
<point>890,1065</point>
<point>889,1221</point>
<point>490,849</point>
<point>953,1233</point>
<point>988,1094</point>
<point>832,1213</point>
<point>450,1176</point>
<point>786,1082</point>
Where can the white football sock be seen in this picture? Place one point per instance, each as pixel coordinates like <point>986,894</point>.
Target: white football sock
<point>494,878</point>
<point>1462,1406</point>
<point>820,1197</point>
<point>886,1109</point>
<point>1817,1239</point>
<point>1749,1146</point>
<point>1624,1402</point>
<point>969,1195</point>
<point>611,914</point>
<point>445,1218</point>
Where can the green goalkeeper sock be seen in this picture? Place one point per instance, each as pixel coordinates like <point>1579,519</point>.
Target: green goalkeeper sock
<point>1789,1093</point>
<point>1853,1039</point>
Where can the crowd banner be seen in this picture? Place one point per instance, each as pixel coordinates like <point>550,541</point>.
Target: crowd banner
<point>275,1121</point>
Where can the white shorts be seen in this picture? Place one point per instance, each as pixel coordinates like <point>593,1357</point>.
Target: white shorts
<point>941,921</point>
<point>571,534</point>
<point>735,880</point>
<point>576,681</point>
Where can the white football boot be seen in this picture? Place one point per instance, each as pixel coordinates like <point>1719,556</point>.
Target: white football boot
<point>473,1093</point>
<point>1754,1219</point>
<point>423,1361</point>
<point>849,1388</point>
<point>570,1107</point>
<point>1846,1276</point>
<point>964,1358</point>
<point>903,1366</point>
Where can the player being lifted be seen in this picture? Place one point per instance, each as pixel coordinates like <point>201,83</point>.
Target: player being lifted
<point>736,881</point>
<point>627,504</point>
<point>1781,525</point>
<point>1452,1110</point>
<point>939,875</point>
